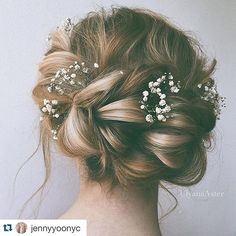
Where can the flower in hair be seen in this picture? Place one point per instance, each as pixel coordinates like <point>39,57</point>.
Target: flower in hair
<point>50,107</point>
<point>154,98</point>
<point>68,80</point>
<point>65,82</point>
<point>54,133</point>
<point>66,26</point>
<point>210,94</point>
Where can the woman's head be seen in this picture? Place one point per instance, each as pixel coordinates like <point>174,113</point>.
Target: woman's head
<point>102,124</point>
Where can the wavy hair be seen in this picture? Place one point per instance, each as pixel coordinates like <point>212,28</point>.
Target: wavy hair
<point>104,127</point>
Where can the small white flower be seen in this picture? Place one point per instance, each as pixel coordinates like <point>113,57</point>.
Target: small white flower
<point>213,89</point>
<point>73,75</point>
<point>162,103</point>
<point>158,110</point>
<point>160,117</point>
<point>66,77</point>
<point>44,109</point>
<point>159,80</point>
<point>156,84</point>
<point>82,63</point>
<point>162,96</point>
<point>145,99</point>
<point>142,107</point>
<point>145,93</point>
<point>72,82</point>
<point>149,118</point>
<point>171,83</point>
<point>170,76</point>
<point>167,108</point>
<point>158,90</point>
<point>85,70</point>
<point>121,72</point>
<point>63,71</point>
<point>176,90</point>
<point>49,107</point>
<point>54,102</point>
<point>45,101</point>
<point>56,115</point>
<point>77,67</point>
<point>206,88</point>
<point>96,65</point>
<point>150,84</point>
<point>153,90</point>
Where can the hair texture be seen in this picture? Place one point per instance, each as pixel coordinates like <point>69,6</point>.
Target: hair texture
<point>104,126</point>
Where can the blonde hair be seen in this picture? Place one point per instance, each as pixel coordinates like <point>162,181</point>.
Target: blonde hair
<point>104,126</point>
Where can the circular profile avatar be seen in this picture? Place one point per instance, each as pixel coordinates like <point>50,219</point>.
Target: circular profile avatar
<point>21,227</point>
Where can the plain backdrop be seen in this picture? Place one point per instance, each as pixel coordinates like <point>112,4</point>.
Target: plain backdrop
<point>207,209</point>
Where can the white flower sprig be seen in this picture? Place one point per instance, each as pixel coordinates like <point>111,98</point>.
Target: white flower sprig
<point>65,81</point>
<point>69,80</point>
<point>210,94</point>
<point>158,111</point>
<point>66,26</point>
<point>50,107</point>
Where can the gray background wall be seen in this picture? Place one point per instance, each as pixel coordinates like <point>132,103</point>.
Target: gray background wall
<point>205,209</point>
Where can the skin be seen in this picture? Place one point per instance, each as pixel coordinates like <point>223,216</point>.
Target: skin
<point>125,212</point>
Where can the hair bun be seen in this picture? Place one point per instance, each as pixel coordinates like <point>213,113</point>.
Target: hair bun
<point>101,122</point>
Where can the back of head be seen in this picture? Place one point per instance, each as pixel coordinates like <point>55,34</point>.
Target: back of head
<point>102,123</point>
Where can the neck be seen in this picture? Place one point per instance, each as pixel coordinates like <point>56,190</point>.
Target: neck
<point>129,211</point>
